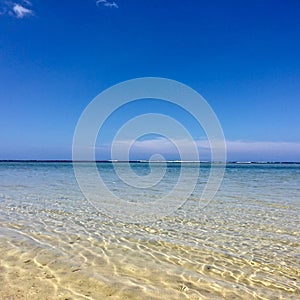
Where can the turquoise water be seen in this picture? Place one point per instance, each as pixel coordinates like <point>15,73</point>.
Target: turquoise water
<point>56,244</point>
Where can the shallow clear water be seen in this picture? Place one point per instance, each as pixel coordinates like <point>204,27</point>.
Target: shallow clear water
<point>244,244</point>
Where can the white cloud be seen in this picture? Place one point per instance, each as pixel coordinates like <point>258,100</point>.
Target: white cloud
<point>27,2</point>
<point>21,11</point>
<point>236,150</point>
<point>263,150</point>
<point>18,10</point>
<point>107,3</point>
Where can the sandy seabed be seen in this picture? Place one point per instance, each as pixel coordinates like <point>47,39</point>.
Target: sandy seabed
<point>80,267</point>
<point>244,245</point>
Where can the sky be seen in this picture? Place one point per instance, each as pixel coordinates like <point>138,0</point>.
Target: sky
<point>241,56</point>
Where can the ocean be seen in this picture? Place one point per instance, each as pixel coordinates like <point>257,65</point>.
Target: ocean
<point>131,242</point>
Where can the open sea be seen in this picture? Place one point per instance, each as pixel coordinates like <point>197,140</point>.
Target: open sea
<point>56,244</point>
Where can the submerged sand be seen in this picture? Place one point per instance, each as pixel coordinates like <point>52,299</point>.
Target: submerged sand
<point>55,245</point>
<point>36,265</point>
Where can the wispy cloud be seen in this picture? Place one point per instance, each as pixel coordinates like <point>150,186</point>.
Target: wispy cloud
<point>236,150</point>
<point>21,11</point>
<point>107,3</point>
<point>18,10</point>
<point>263,150</point>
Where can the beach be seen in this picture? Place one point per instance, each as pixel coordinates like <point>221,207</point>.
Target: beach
<point>244,244</point>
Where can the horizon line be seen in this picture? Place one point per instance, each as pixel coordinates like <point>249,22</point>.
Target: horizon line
<point>145,161</point>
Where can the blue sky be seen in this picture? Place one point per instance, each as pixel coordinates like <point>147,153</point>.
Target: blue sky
<point>242,56</point>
